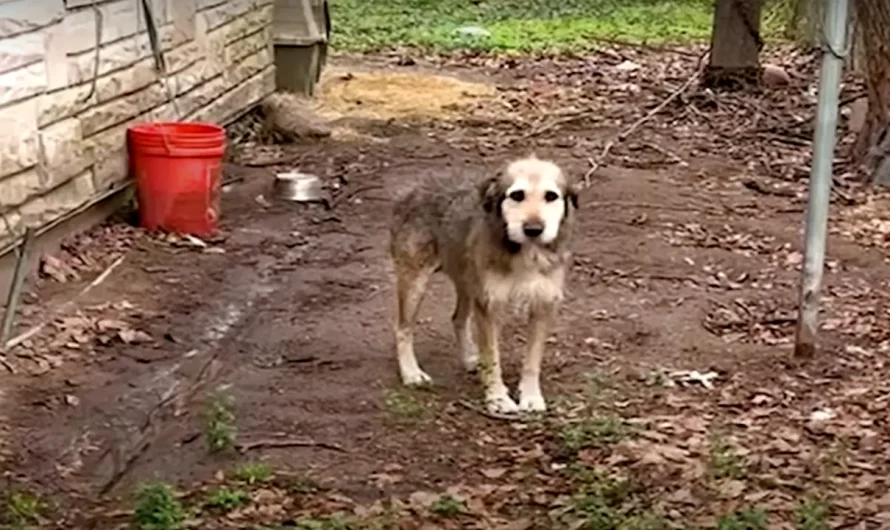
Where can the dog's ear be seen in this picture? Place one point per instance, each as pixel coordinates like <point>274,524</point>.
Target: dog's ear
<point>488,192</point>
<point>571,195</point>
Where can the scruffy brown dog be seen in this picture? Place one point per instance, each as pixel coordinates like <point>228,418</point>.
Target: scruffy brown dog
<point>503,241</point>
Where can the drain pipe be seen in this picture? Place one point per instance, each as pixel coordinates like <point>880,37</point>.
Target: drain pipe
<point>833,54</point>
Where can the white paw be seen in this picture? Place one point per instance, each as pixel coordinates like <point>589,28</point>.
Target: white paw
<point>416,378</point>
<point>532,403</point>
<point>501,403</point>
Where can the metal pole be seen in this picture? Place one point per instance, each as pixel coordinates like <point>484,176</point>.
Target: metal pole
<point>835,46</point>
<point>15,290</point>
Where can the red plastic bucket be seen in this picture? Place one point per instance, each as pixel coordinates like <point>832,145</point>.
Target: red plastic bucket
<point>178,170</point>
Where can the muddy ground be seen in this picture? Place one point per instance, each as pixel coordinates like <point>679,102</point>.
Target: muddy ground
<point>687,258</point>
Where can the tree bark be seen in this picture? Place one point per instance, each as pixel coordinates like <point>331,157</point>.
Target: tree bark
<point>805,26</point>
<point>873,142</point>
<point>735,44</point>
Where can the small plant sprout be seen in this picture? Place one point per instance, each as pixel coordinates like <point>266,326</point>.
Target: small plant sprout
<point>226,499</point>
<point>252,473</point>
<point>447,506</point>
<point>595,431</point>
<point>157,508</point>
<point>21,509</point>
<point>811,514</point>
<point>220,428</point>
<point>723,461</point>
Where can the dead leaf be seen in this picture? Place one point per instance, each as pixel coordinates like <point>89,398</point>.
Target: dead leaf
<point>422,499</point>
<point>493,473</point>
<point>108,324</point>
<point>133,336</point>
<point>518,524</point>
<point>731,489</point>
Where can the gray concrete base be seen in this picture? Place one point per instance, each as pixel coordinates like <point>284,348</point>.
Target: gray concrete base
<point>298,68</point>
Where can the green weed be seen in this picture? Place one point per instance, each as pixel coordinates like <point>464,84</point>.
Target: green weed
<point>746,519</point>
<point>723,461</point>
<point>157,508</point>
<point>220,429</point>
<point>447,506</point>
<point>594,431</point>
<point>226,499</point>
<point>22,509</point>
<point>253,473</point>
<point>403,404</point>
<point>811,514</point>
<point>603,502</point>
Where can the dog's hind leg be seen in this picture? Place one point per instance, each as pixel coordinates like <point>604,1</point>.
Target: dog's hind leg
<point>411,282</point>
<point>530,397</point>
<point>497,397</point>
<point>461,321</point>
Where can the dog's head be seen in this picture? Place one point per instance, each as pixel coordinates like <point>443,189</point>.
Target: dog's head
<point>532,198</point>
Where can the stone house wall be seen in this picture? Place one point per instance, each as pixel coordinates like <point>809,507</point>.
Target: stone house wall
<point>63,131</point>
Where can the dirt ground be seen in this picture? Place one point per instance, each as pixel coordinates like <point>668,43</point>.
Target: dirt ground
<point>688,256</point>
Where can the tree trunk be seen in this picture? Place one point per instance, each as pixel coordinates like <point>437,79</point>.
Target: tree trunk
<point>805,26</point>
<point>872,145</point>
<point>735,44</point>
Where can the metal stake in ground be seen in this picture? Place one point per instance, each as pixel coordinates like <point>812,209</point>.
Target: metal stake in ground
<point>15,290</point>
<point>834,45</point>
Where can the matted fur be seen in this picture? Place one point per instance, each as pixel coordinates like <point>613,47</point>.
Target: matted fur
<point>476,232</point>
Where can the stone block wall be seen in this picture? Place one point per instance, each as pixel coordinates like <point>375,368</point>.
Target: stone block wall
<point>63,117</point>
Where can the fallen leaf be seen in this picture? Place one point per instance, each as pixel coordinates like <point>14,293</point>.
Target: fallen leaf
<point>133,336</point>
<point>493,473</point>
<point>731,489</point>
<point>518,524</point>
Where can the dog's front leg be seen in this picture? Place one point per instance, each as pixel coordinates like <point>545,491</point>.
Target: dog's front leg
<point>530,397</point>
<point>497,397</point>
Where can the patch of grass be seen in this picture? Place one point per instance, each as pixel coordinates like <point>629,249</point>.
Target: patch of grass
<point>157,508</point>
<point>745,519</point>
<point>220,429</point>
<point>448,506</point>
<point>21,509</point>
<point>600,388</point>
<point>252,473</point>
<point>516,25</point>
<point>723,461</point>
<point>811,514</point>
<point>404,404</point>
<point>603,502</point>
<point>226,499</point>
<point>594,431</point>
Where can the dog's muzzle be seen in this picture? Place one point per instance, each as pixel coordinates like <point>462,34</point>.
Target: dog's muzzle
<point>533,229</point>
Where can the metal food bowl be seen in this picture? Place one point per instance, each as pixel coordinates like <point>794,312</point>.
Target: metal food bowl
<point>296,186</point>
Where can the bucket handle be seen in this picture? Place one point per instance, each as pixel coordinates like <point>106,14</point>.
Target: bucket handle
<point>166,141</point>
<point>210,214</point>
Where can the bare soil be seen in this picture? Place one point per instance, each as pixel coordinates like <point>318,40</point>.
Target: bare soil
<point>687,259</point>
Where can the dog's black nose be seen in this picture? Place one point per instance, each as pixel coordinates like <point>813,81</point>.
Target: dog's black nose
<point>533,229</point>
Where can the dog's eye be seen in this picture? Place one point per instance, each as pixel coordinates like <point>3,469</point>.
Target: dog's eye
<point>517,196</point>
<point>551,196</point>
